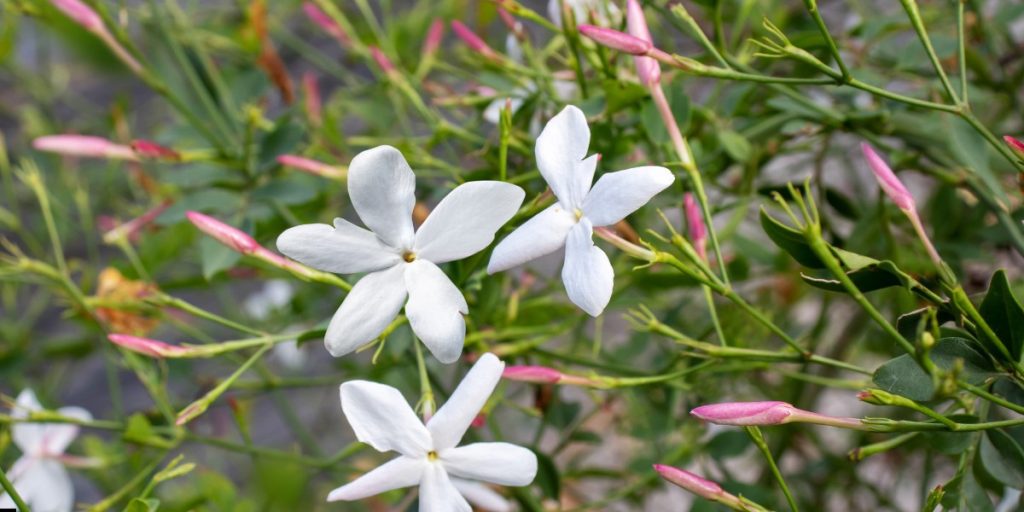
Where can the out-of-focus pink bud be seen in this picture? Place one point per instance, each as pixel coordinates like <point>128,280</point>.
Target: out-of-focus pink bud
<point>146,346</point>
<point>81,13</point>
<point>473,41</point>
<point>695,225</point>
<point>382,61</point>
<point>745,413</point>
<point>1015,144</point>
<point>311,91</point>
<point>150,149</point>
<point>647,69</point>
<point>534,374</point>
<point>892,185</point>
<point>697,485</point>
<point>479,421</point>
<point>84,146</point>
<point>511,22</point>
<point>434,36</point>
<point>232,237</point>
<point>325,22</point>
<point>616,40</point>
<point>131,229</point>
<point>312,166</point>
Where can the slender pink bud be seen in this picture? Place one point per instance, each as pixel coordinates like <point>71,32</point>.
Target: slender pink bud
<point>534,374</point>
<point>81,13</point>
<point>647,69</point>
<point>382,60</point>
<point>311,166</point>
<point>697,485</point>
<point>892,185</point>
<point>616,40</point>
<point>146,346</point>
<point>473,41</point>
<point>745,413</point>
<point>314,105</point>
<point>434,36</point>
<point>131,229</point>
<point>84,146</point>
<point>511,22</point>
<point>695,225</point>
<point>1015,144</point>
<point>325,22</point>
<point>232,237</point>
<point>150,149</point>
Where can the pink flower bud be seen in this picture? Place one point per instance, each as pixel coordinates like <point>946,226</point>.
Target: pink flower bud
<point>146,346</point>
<point>232,237</point>
<point>81,14</point>
<point>314,105</point>
<point>616,40</point>
<point>534,374</point>
<point>647,69</point>
<point>325,22</point>
<point>84,146</point>
<point>472,40</point>
<point>1015,144</point>
<point>150,149</point>
<point>382,60</point>
<point>695,225</point>
<point>434,36</point>
<point>700,486</point>
<point>892,185</point>
<point>745,413</point>
<point>311,166</point>
<point>131,229</point>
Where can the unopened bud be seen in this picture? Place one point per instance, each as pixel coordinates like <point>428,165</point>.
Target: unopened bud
<point>647,69</point>
<point>84,146</point>
<point>148,347</point>
<point>887,179</point>
<point>616,40</point>
<point>312,166</point>
<point>473,41</point>
<point>150,149</point>
<point>232,237</point>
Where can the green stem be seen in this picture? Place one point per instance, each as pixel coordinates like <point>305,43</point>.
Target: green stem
<point>758,438</point>
<point>915,20</point>
<point>12,492</point>
<point>812,8</point>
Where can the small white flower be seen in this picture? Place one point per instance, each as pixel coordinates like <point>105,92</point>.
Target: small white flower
<point>561,151</point>
<point>429,455</point>
<point>402,262</point>
<point>276,294</point>
<point>39,475</point>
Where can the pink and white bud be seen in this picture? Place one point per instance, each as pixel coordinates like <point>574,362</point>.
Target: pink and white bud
<point>892,185</point>
<point>311,166</point>
<point>150,149</point>
<point>647,69</point>
<point>84,146</point>
<point>382,61</point>
<point>434,36</point>
<point>745,413</point>
<point>325,22</point>
<point>616,40</point>
<point>148,347</point>
<point>1015,144</point>
<point>81,14</point>
<point>697,485</point>
<point>473,41</point>
<point>313,104</point>
<point>234,238</point>
<point>130,230</point>
<point>534,374</point>
<point>695,225</point>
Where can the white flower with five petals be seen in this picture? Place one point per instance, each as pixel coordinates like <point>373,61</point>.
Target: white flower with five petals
<point>402,263</point>
<point>561,157</point>
<point>429,455</point>
<point>39,475</point>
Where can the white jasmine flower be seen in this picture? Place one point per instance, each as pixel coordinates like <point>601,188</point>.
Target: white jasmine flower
<point>561,151</point>
<point>39,475</point>
<point>402,263</point>
<point>429,455</point>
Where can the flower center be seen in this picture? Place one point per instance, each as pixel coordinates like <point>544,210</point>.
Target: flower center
<point>409,256</point>
<point>431,455</point>
<point>579,213</point>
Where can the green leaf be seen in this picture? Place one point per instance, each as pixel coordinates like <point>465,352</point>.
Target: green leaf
<point>139,431</point>
<point>547,476</point>
<point>790,240</point>
<point>735,145</point>
<point>283,138</point>
<point>904,377</point>
<point>1003,312</point>
<point>143,505</point>
<point>215,257</point>
<point>952,443</point>
<point>868,278</point>
<point>1003,458</point>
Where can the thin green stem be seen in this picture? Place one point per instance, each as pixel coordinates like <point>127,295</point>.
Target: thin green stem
<point>910,6</point>
<point>833,48</point>
<point>759,441</point>
<point>12,492</point>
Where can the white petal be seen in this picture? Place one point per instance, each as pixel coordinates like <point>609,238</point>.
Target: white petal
<point>366,311</point>
<point>499,463</point>
<point>45,486</point>
<point>435,310</point>
<point>464,222</point>
<point>481,495</point>
<point>344,248</point>
<point>561,147</point>
<point>381,418</point>
<point>587,274</point>
<point>437,494</point>
<point>381,187</point>
<point>543,234</point>
<point>27,436</point>
<point>618,194</point>
<point>57,436</point>
<point>451,421</point>
<point>394,474</point>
